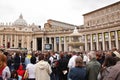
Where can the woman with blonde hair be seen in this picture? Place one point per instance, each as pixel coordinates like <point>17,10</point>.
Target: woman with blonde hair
<point>79,71</point>
<point>4,69</point>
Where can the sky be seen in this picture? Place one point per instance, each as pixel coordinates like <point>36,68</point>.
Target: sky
<point>39,11</point>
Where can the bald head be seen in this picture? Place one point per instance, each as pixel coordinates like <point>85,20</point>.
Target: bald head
<point>92,54</point>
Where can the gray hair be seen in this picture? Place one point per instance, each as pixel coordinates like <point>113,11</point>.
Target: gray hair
<point>92,54</point>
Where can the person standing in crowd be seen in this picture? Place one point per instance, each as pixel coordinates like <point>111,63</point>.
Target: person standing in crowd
<point>114,73</point>
<point>9,60</point>
<point>71,62</point>
<point>21,71</point>
<point>16,61</point>
<point>23,59</point>
<point>36,56</point>
<point>85,58</point>
<point>79,71</point>
<point>31,68</point>
<point>42,69</point>
<point>107,65</point>
<point>54,65</point>
<point>63,69</point>
<point>28,57</point>
<point>100,57</point>
<point>93,67</point>
<point>15,76</point>
<point>47,56</point>
<point>4,69</point>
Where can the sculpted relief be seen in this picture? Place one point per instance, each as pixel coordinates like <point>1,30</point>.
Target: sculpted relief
<point>47,26</point>
<point>8,29</point>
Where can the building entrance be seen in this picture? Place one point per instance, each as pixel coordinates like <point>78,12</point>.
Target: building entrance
<point>39,44</point>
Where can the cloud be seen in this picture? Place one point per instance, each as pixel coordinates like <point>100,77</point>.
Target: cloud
<point>39,11</point>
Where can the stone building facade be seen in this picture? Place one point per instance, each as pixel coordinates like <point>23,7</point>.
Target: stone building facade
<point>101,31</point>
<point>102,28</point>
<point>21,35</point>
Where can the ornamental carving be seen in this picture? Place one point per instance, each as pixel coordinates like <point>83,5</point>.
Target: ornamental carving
<point>47,26</point>
<point>8,29</point>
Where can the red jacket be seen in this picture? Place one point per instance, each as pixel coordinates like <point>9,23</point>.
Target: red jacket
<point>21,71</point>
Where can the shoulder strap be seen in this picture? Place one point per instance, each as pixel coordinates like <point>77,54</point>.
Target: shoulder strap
<point>54,57</point>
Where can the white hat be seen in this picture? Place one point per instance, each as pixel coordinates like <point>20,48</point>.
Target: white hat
<point>117,54</point>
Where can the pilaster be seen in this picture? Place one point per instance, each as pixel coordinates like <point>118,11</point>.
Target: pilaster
<point>116,40</point>
<point>103,41</point>
<point>91,42</point>
<point>109,41</point>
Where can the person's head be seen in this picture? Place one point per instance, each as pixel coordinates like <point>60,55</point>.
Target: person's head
<point>33,60</point>
<point>41,57</point>
<point>73,53</point>
<point>1,51</point>
<point>52,53</point>
<point>109,61</point>
<point>92,54</point>
<point>36,54</point>
<point>14,74</point>
<point>114,49</point>
<point>61,55</point>
<point>17,54</point>
<point>3,60</point>
<point>116,55</point>
<point>6,53</point>
<point>79,61</point>
<point>98,55</point>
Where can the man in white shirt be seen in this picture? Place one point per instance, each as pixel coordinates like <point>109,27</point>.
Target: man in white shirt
<point>71,62</point>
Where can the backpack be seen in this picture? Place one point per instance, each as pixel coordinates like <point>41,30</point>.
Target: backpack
<point>55,62</point>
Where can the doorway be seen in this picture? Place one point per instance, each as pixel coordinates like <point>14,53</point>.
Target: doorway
<point>39,44</point>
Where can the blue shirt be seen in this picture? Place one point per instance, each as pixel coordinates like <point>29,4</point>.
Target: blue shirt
<point>77,73</point>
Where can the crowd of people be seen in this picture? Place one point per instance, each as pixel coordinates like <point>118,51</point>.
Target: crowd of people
<point>49,65</point>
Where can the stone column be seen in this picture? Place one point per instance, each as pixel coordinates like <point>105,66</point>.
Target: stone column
<point>60,44</point>
<point>55,47</point>
<point>33,43</point>
<point>43,44</point>
<point>1,40</point>
<point>5,41</point>
<point>16,41</point>
<point>97,41</point>
<point>28,42</point>
<point>91,42</point>
<point>65,44</point>
<point>116,40</point>
<point>86,48</point>
<point>109,41</point>
<point>103,41</point>
<point>22,41</point>
<point>70,47</point>
<point>11,41</point>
